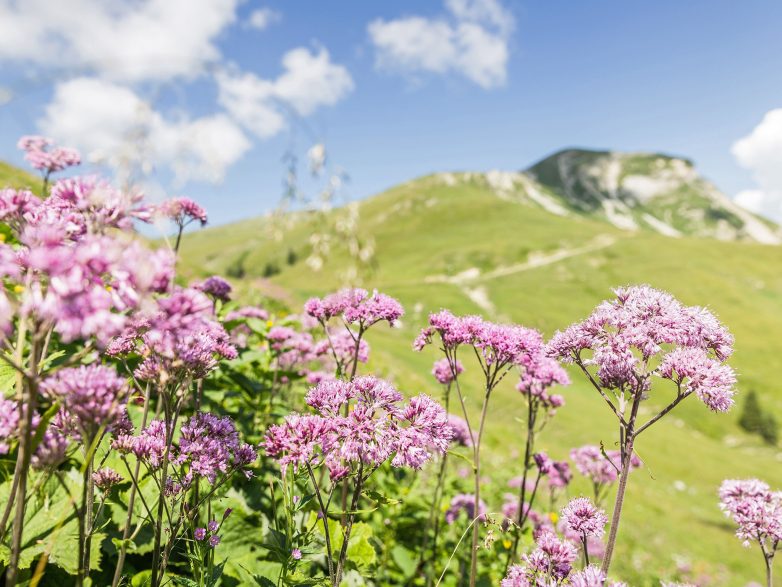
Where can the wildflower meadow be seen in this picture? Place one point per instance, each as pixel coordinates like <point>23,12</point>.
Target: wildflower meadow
<point>158,432</point>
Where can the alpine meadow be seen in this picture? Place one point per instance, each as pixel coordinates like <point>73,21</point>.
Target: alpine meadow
<point>461,293</point>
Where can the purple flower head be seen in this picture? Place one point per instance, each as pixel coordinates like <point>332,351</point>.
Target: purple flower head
<point>559,475</point>
<point>296,554</point>
<point>149,445</point>
<point>552,557</point>
<point>498,344</point>
<point>591,576</point>
<point>592,463</point>
<point>756,510</point>
<point>465,502</point>
<point>199,533</point>
<point>215,287</point>
<point>9,422</point>
<point>92,396</point>
<point>210,446</point>
<point>693,370</point>
<point>376,428</point>
<point>425,428</point>
<point>517,576</point>
<point>213,526</point>
<point>583,518</point>
<point>106,478</point>
<point>182,211</point>
<point>42,155</point>
<point>444,373</point>
<point>181,340</point>
<point>540,373</point>
<point>460,431</point>
<point>51,451</point>
<point>355,306</point>
<point>622,336</point>
<point>342,343</point>
<point>214,540</point>
<point>543,463</point>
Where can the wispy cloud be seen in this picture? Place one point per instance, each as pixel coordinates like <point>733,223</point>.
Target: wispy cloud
<point>761,152</point>
<point>263,18</point>
<point>110,55</point>
<point>309,81</point>
<point>471,40</point>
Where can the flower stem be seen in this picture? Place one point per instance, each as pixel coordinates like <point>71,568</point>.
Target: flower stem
<point>477,472</point>
<point>325,517</point>
<point>343,553</point>
<point>131,502</point>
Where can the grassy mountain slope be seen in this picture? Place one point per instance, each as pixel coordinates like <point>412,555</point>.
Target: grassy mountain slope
<point>464,246</point>
<point>647,190</point>
<point>14,177</point>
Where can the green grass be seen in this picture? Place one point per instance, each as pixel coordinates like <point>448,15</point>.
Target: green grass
<point>423,228</point>
<point>14,177</point>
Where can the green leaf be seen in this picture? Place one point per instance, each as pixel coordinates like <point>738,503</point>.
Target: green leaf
<point>7,378</point>
<point>378,497</point>
<point>404,559</point>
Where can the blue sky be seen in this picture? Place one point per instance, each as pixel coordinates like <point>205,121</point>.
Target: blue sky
<point>409,95</point>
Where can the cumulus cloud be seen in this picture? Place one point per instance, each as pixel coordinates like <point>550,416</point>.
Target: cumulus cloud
<point>471,40</point>
<point>263,18</point>
<point>114,126</point>
<point>309,81</point>
<point>761,152</point>
<point>133,41</point>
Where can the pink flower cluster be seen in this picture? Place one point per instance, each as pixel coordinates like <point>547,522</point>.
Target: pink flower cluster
<point>9,420</point>
<point>540,373</point>
<point>583,519</point>
<point>70,269</point>
<point>182,211</point>
<point>551,564</point>
<point>460,431</point>
<point>623,335</point>
<point>179,341</point>
<point>593,464</point>
<point>443,372</point>
<point>92,396</point>
<point>498,344</point>
<point>465,502</point>
<point>360,421</point>
<point>216,288</point>
<point>355,306</point>
<point>106,478</point>
<point>208,447</point>
<point>755,509</point>
<point>41,153</point>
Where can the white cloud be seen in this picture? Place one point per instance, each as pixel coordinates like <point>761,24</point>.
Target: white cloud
<point>263,18</point>
<point>309,80</point>
<point>471,40</point>
<point>141,40</point>
<point>113,125</point>
<point>761,152</point>
<point>110,53</point>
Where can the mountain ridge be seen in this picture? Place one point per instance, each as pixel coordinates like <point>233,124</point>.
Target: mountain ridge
<point>630,190</point>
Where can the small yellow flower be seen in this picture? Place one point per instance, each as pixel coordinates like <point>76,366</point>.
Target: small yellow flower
<point>2,237</point>
<point>18,289</point>
<point>269,323</point>
<point>109,288</point>
<point>553,517</point>
<point>507,544</point>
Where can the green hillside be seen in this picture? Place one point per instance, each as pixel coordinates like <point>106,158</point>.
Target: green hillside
<point>462,246</point>
<point>14,177</point>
